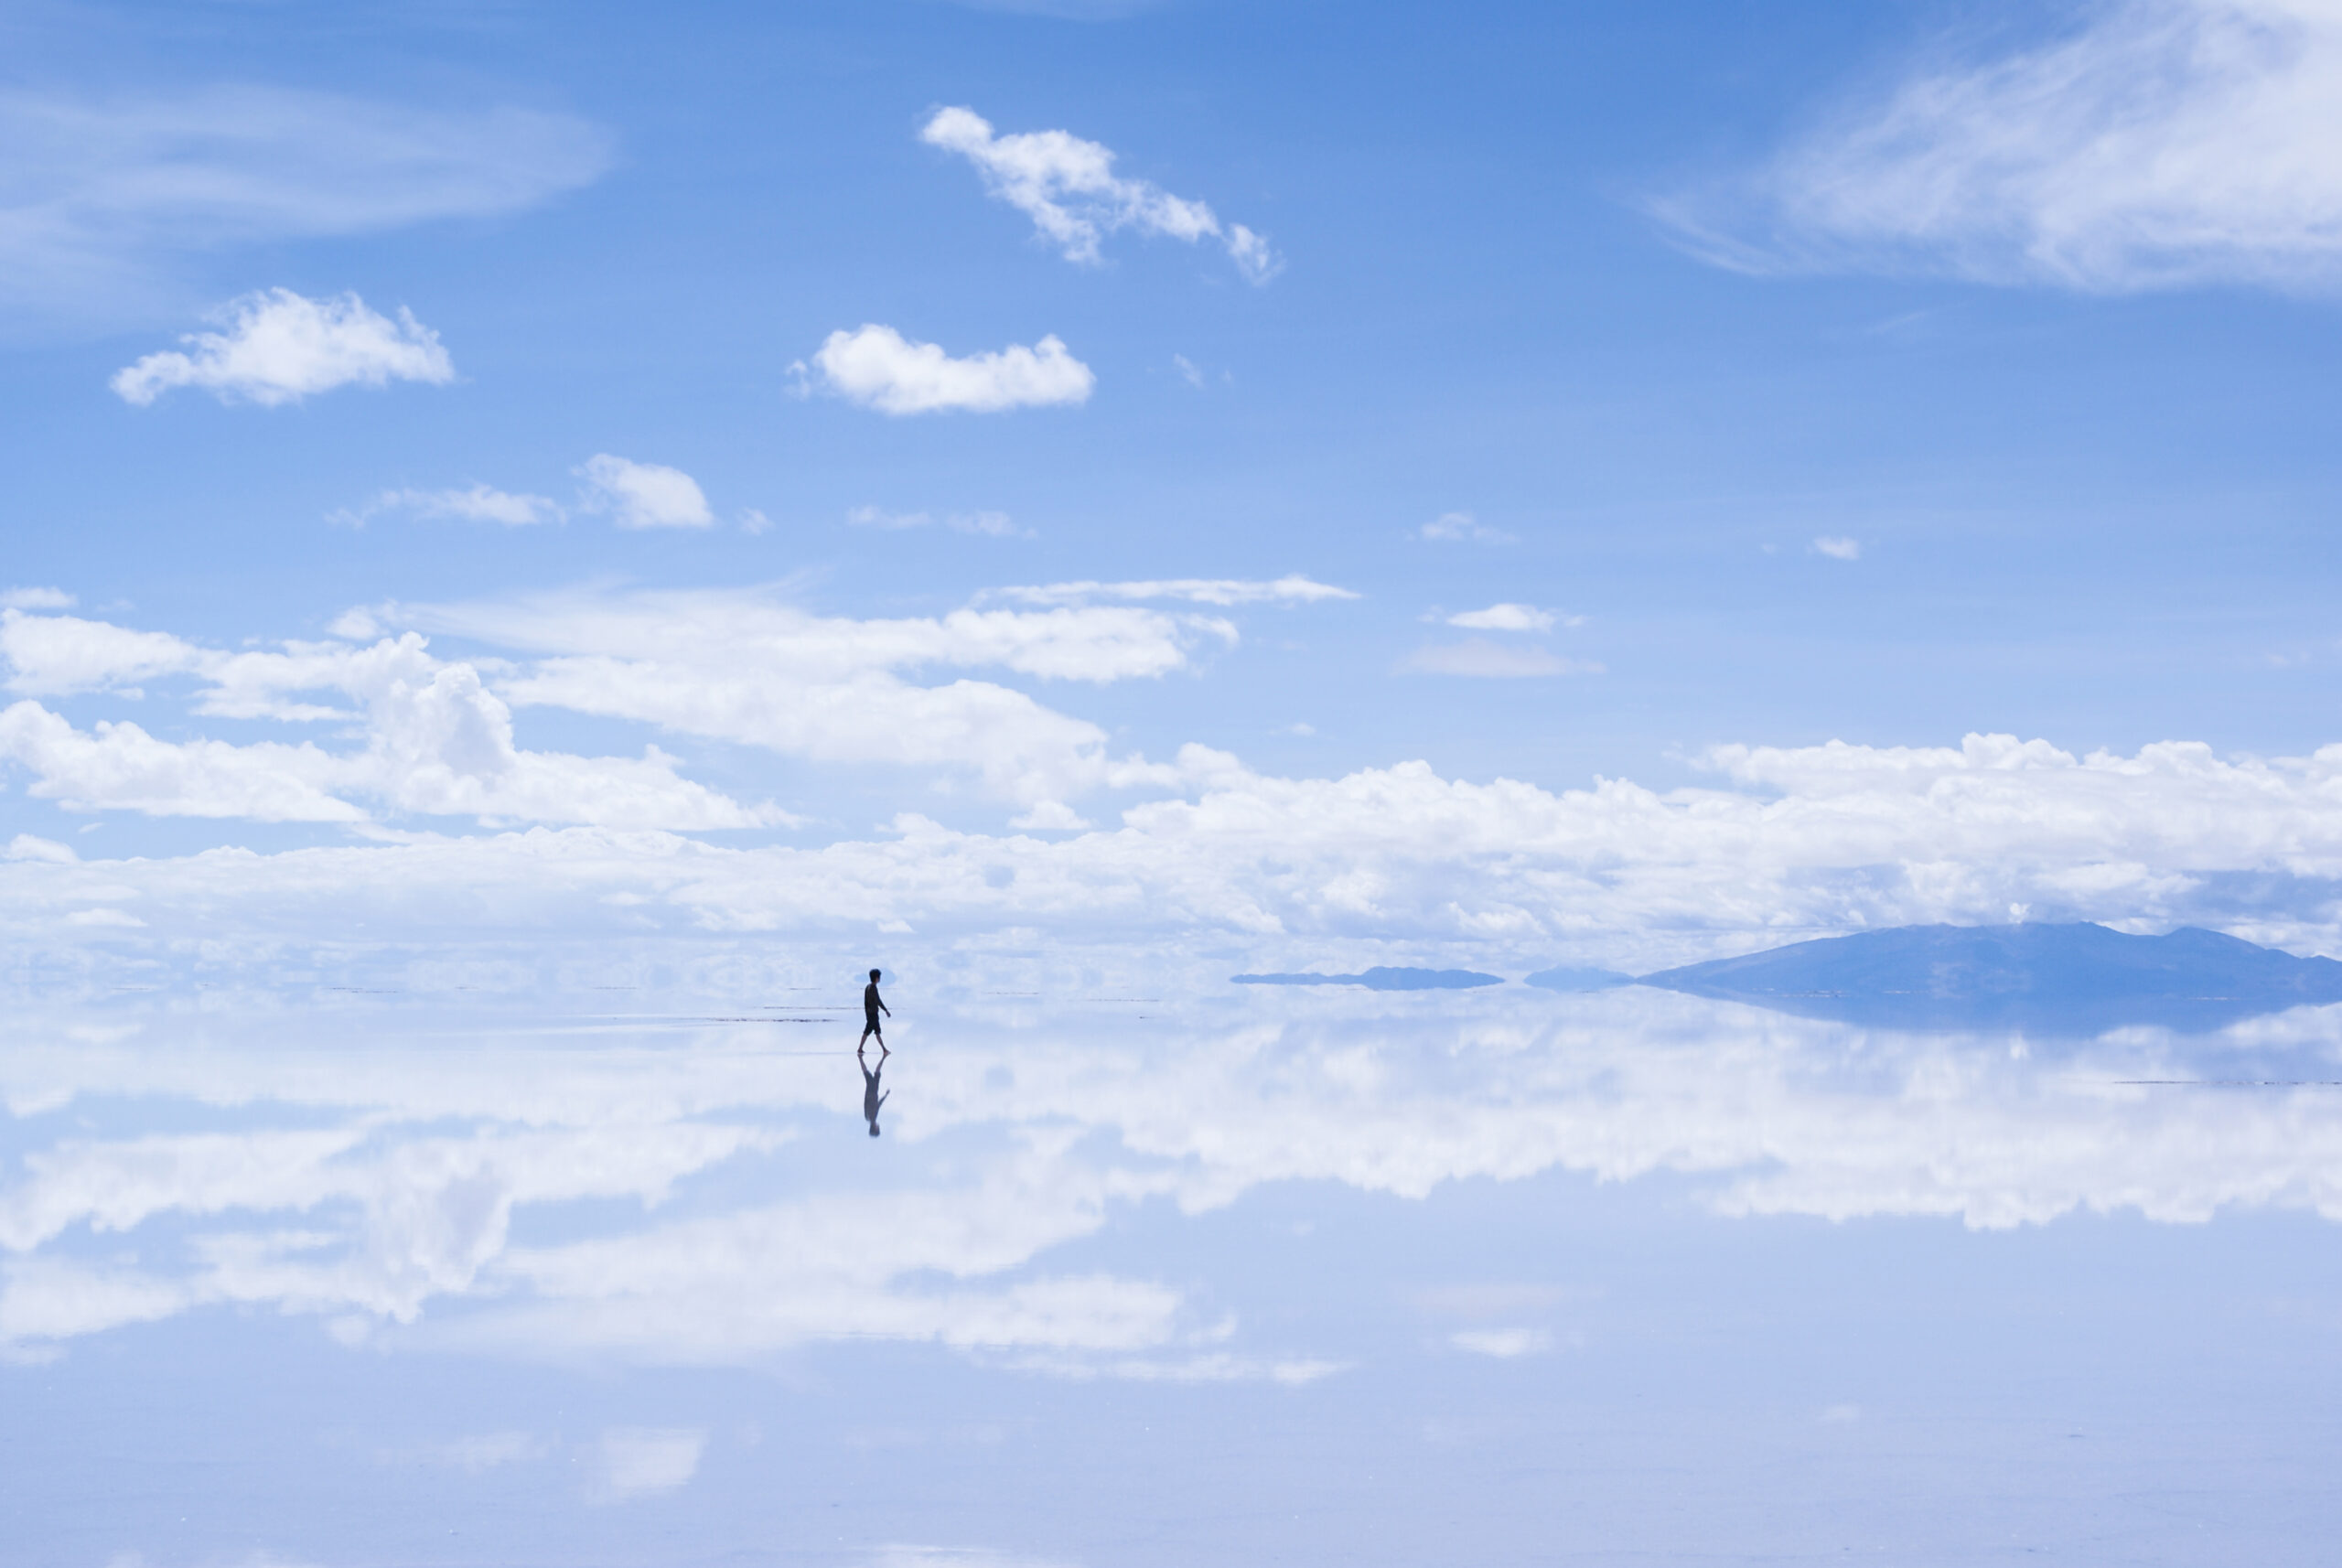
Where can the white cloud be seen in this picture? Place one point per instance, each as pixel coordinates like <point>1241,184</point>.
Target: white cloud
<point>734,666</point>
<point>878,368</point>
<point>1503,1343</point>
<point>990,524</point>
<point>2159,143</point>
<point>1457,525</point>
<point>36,599</point>
<point>1393,864</point>
<point>1504,617</point>
<point>643,1461</point>
<point>57,655</point>
<point>104,194</point>
<point>1049,816</point>
<point>1838,547</point>
<point>644,495</point>
<point>1478,656</point>
<point>481,503</point>
<point>1498,875</point>
<point>401,1187</point>
<point>25,846</point>
<point>1225,591</point>
<point>1189,370</point>
<point>1068,188</point>
<point>742,668</point>
<point>436,741</point>
<point>278,347</point>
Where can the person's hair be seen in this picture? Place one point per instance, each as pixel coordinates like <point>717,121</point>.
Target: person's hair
<point>874,1129</point>
<point>874,974</point>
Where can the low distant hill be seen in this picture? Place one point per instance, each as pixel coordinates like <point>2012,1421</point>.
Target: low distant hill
<point>2080,978</point>
<point>1383,979</point>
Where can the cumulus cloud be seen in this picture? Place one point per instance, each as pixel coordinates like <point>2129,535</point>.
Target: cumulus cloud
<point>1390,864</point>
<point>644,495</point>
<point>481,503</point>
<point>277,347</point>
<point>1838,547</point>
<point>877,367</point>
<point>2158,144</point>
<point>1225,591</point>
<point>1493,661</point>
<point>1450,526</point>
<point>104,193</point>
<point>742,667</point>
<point>36,599</point>
<point>435,741</point>
<point>1068,188</point>
<point>25,846</point>
<point>1504,617</point>
<point>58,655</point>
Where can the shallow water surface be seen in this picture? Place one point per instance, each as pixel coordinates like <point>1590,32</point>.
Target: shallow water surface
<point>1285,1274</point>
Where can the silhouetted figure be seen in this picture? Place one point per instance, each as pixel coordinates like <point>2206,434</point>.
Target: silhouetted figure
<point>871,1098</point>
<point>871,1008</point>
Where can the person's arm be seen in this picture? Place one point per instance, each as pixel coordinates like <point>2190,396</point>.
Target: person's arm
<point>883,1008</point>
<point>882,1100</point>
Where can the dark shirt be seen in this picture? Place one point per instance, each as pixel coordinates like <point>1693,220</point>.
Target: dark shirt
<point>870,1002</point>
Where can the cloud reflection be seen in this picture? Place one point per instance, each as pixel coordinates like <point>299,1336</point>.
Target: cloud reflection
<point>693,1193</point>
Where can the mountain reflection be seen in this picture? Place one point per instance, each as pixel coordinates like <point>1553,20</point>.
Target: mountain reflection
<point>664,1190</point>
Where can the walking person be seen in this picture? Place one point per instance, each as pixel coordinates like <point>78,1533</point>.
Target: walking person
<point>871,1007</point>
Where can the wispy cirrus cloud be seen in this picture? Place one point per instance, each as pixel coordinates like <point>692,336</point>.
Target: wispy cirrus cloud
<point>104,198</point>
<point>276,347</point>
<point>1068,187</point>
<point>1292,589</point>
<point>989,524</point>
<point>2158,143</point>
<point>1451,526</point>
<point>1505,618</point>
<point>478,503</point>
<point>1479,658</point>
<point>878,368</point>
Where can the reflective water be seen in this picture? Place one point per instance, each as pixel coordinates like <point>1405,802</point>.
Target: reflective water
<point>1283,1274</point>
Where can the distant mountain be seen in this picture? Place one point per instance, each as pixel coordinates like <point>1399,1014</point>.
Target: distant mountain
<point>2054,978</point>
<point>1381,979</point>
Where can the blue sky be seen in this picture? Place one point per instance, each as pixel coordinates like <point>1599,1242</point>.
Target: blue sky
<point>1754,376</point>
<point>542,542</point>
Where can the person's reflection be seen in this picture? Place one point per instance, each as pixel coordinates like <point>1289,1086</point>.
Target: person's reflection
<point>871,1098</point>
